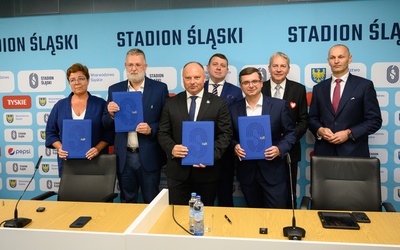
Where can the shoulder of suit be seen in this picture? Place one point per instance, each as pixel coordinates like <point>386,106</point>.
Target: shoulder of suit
<point>119,85</point>
<point>357,78</point>
<point>273,100</point>
<point>151,81</point>
<point>94,98</point>
<point>294,83</point>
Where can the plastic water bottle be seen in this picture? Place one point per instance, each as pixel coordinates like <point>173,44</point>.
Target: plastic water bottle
<point>198,217</point>
<point>191,212</point>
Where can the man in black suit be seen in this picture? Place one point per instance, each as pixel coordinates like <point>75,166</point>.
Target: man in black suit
<point>218,69</point>
<point>182,180</point>
<point>295,95</point>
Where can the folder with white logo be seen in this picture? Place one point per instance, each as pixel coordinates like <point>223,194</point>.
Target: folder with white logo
<point>255,135</point>
<point>198,137</point>
<point>130,112</point>
<point>76,137</point>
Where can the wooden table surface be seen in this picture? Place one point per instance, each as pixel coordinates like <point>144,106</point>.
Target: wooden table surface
<point>106,217</point>
<point>246,222</point>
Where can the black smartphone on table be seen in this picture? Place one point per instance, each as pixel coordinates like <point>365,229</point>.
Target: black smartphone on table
<point>361,217</point>
<point>80,222</point>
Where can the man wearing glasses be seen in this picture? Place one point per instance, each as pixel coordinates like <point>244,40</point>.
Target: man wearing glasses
<point>263,182</point>
<point>140,157</point>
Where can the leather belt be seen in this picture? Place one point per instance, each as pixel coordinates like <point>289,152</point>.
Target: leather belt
<point>132,150</point>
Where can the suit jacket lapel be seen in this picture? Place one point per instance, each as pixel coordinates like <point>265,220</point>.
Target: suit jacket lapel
<point>205,105</point>
<point>242,108</point>
<point>266,108</point>
<point>287,93</point>
<point>182,103</point>
<point>148,88</point>
<point>347,92</point>
<point>326,92</point>
<point>267,88</point>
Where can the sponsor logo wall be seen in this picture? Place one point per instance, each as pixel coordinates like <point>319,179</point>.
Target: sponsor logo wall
<point>36,51</point>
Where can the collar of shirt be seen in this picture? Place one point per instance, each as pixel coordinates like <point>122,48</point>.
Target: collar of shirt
<point>141,87</point>
<point>199,95</point>
<point>342,84</point>
<point>344,79</point>
<point>257,109</point>
<point>210,82</point>
<point>198,102</point>
<point>273,85</point>
<point>211,87</point>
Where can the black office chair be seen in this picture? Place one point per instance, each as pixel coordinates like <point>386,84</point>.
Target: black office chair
<point>86,180</point>
<point>345,183</point>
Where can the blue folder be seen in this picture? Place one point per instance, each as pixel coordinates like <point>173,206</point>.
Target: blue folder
<point>76,137</point>
<point>255,135</point>
<point>130,112</point>
<point>198,137</point>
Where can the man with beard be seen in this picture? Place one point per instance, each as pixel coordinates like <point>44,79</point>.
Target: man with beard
<point>140,157</point>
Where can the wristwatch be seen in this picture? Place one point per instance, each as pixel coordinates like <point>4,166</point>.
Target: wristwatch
<point>350,135</point>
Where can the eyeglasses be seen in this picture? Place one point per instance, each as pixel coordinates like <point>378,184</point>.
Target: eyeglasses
<point>131,65</point>
<point>74,80</point>
<point>254,82</point>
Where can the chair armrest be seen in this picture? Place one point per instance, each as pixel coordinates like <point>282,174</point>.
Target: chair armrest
<point>109,198</point>
<point>305,202</point>
<point>388,207</point>
<point>44,195</point>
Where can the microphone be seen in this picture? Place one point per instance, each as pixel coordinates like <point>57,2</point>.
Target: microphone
<point>22,222</point>
<point>292,232</point>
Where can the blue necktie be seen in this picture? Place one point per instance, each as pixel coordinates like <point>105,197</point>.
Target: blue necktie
<point>192,109</point>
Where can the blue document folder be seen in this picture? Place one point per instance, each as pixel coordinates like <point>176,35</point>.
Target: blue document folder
<point>198,137</point>
<point>130,112</point>
<point>76,137</point>
<point>255,135</point>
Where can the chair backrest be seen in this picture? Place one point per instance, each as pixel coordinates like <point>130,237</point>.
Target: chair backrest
<point>88,180</point>
<point>345,183</point>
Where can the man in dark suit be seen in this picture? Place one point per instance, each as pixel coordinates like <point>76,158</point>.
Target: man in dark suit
<point>218,69</point>
<point>140,157</point>
<point>294,94</point>
<point>182,180</point>
<point>263,182</point>
<point>344,109</point>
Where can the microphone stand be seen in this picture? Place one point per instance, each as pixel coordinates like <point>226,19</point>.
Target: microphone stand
<point>292,232</point>
<point>21,222</point>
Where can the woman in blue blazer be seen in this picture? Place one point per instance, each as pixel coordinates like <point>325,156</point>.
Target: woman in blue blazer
<point>80,104</point>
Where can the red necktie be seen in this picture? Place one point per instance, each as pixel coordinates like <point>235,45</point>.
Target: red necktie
<point>336,95</point>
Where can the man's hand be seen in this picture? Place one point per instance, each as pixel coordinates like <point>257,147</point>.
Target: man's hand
<point>112,108</point>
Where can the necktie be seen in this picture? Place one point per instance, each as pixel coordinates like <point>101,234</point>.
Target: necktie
<point>215,89</point>
<point>278,91</point>
<point>336,95</point>
<point>192,109</point>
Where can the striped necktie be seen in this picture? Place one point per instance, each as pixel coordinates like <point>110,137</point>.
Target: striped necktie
<point>215,89</point>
